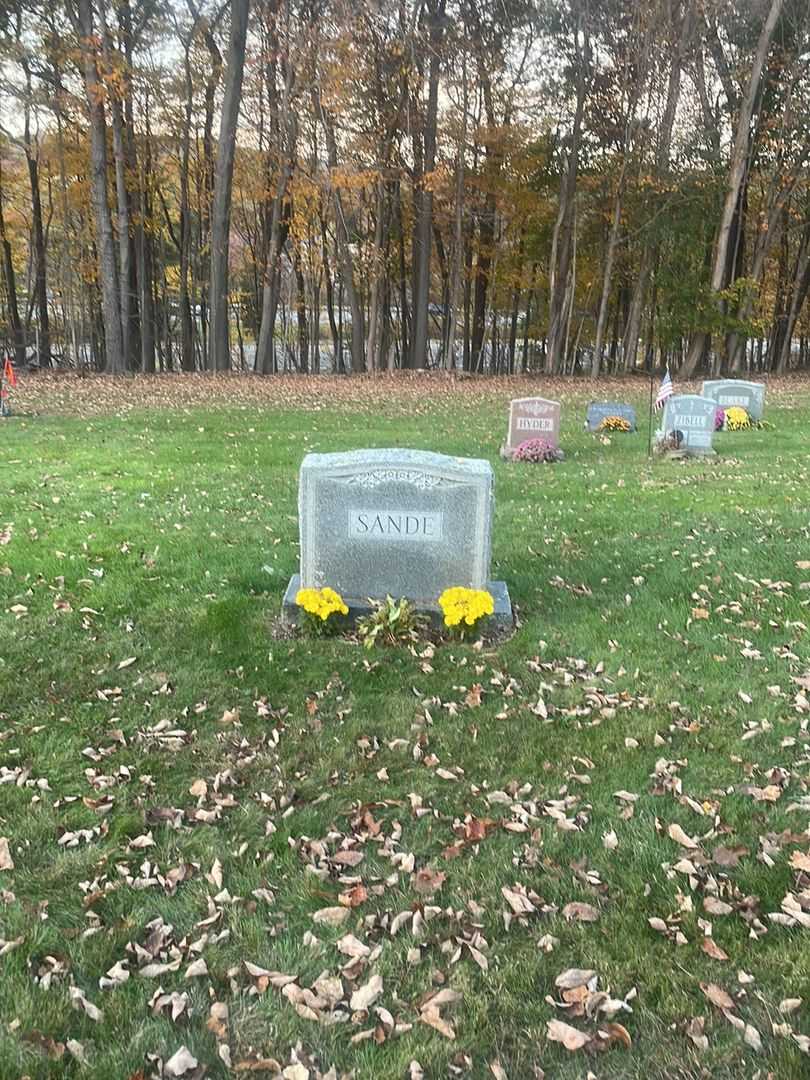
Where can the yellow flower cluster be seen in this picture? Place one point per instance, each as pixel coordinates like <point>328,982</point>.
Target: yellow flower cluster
<point>465,605</point>
<point>737,419</point>
<point>614,423</point>
<point>321,602</point>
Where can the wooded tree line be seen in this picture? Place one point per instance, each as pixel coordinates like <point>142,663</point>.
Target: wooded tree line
<point>361,185</point>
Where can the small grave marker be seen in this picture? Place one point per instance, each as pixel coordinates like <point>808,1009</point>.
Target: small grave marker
<point>727,392</point>
<point>533,418</point>
<point>688,423</point>
<point>598,410</point>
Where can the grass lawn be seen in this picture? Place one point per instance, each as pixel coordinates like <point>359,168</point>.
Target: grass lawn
<point>185,793</point>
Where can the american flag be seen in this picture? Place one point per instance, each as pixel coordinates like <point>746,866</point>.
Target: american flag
<point>665,390</point>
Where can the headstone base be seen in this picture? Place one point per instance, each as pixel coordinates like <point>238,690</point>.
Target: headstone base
<point>501,621</point>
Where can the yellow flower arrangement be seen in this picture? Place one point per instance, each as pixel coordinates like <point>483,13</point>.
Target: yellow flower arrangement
<point>614,423</point>
<point>737,419</point>
<point>321,603</point>
<point>465,606</point>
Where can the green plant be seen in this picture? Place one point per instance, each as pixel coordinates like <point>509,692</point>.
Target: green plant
<point>392,622</point>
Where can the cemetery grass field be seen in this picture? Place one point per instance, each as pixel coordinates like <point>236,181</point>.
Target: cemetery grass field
<point>637,750</point>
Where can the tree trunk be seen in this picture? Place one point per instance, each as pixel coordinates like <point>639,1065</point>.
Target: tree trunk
<point>799,288</point>
<point>105,241</point>
<point>343,247</point>
<point>424,221</point>
<point>218,339</point>
<point>560,296</point>
<point>736,175</point>
<point>17,328</point>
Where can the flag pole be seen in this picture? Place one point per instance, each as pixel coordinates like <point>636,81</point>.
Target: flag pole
<point>649,431</point>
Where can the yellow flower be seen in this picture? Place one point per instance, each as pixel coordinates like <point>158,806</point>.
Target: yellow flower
<point>321,603</point>
<point>614,423</point>
<point>459,605</point>
<point>737,419</point>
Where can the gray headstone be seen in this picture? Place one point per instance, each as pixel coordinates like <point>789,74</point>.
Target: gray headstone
<point>727,392</point>
<point>692,416</point>
<point>533,418</point>
<point>598,410</point>
<point>404,523</point>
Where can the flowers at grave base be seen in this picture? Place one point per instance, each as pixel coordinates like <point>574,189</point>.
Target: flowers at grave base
<point>464,607</point>
<point>719,418</point>
<point>321,603</point>
<point>737,419</point>
<point>537,450</point>
<point>614,423</point>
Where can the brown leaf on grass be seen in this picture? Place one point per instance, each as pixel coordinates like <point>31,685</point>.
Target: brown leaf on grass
<point>365,996</point>
<point>577,911</point>
<point>694,1030</point>
<point>700,613</point>
<point>799,860</point>
<point>428,881</point>
<point>331,916</point>
<point>180,1063</point>
<point>351,946</point>
<point>712,949</point>
<point>574,977</point>
<point>718,996</point>
<point>354,897</point>
<point>571,1038</point>
<point>258,1065</point>
<point>498,1070</point>
<point>677,834</point>
<point>716,907</point>
<point>79,1001</point>
<point>44,1043</point>
<point>617,1035</point>
<point>351,857</point>
<point>473,698</point>
<point>6,861</point>
<point>518,901</point>
<point>729,856</point>
<point>789,1005</point>
<point>433,1018</point>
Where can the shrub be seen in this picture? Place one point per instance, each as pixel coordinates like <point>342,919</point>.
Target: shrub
<point>537,450</point>
<point>392,622</point>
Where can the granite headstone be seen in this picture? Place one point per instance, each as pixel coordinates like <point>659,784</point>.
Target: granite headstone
<point>533,418</point>
<point>599,410</point>
<point>404,523</point>
<point>727,392</point>
<point>688,422</point>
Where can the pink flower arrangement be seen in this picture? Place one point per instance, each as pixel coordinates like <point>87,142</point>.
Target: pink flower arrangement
<point>537,450</point>
<point>719,419</point>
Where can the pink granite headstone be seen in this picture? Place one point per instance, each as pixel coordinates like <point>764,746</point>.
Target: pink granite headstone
<point>533,418</point>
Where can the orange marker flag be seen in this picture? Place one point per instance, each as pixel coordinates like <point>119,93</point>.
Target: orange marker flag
<point>8,372</point>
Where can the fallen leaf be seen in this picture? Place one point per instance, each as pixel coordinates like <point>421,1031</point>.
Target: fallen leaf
<point>712,949</point>
<point>580,912</point>
<point>574,977</point>
<point>570,1037</point>
<point>677,834</point>
<point>365,996</point>
<point>428,881</point>
<point>331,916</point>
<point>180,1063</point>
<point>6,861</point>
<point>718,996</point>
